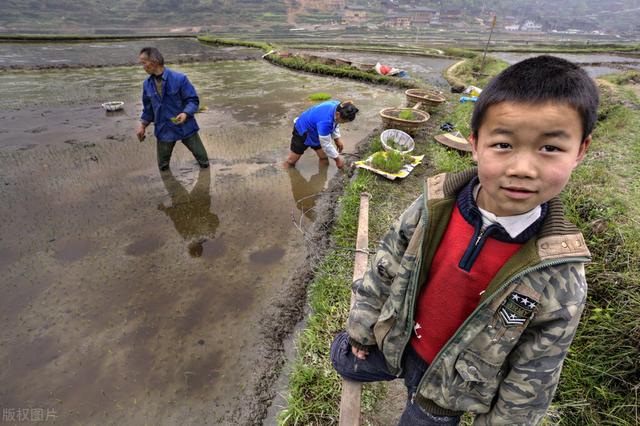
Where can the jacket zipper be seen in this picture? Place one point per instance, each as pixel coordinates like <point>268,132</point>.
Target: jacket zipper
<point>413,285</point>
<point>539,266</point>
<point>470,254</point>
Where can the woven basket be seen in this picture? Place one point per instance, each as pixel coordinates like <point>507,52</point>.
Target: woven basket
<point>113,106</point>
<point>390,120</point>
<point>430,99</point>
<point>402,140</point>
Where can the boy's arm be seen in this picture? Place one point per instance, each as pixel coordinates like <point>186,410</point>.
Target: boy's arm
<point>372,291</point>
<point>536,362</point>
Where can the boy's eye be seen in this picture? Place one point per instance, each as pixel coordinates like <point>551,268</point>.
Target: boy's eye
<point>550,148</point>
<point>502,145</point>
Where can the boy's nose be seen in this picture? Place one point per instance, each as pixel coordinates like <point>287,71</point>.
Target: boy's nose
<point>521,165</point>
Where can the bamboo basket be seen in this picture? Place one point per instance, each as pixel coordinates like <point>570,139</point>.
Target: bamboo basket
<point>390,119</point>
<point>430,99</point>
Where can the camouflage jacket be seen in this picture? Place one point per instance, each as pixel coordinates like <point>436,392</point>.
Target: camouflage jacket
<point>504,362</point>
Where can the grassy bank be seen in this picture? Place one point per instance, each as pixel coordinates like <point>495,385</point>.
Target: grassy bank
<point>216,41</point>
<point>600,380</point>
<point>473,72</point>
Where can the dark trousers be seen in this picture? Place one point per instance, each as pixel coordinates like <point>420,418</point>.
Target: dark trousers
<point>374,369</point>
<point>193,144</point>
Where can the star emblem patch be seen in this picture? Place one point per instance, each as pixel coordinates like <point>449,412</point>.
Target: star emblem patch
<point>516,309</point>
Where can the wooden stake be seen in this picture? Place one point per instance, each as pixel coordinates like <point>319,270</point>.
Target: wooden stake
<point>350,400</point>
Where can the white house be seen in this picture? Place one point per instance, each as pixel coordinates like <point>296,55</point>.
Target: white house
<point>530,25</point>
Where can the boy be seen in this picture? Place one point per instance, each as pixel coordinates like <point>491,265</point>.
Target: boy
<point>316,127</point>
<point>476,292</point>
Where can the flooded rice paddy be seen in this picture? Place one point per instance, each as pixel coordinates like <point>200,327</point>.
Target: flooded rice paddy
<point>110,53</point>
<point>131,297</point>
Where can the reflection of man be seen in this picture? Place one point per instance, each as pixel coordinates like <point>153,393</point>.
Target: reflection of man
<point>190,211</point>
<point>170,101</point>
<point>304,191</point>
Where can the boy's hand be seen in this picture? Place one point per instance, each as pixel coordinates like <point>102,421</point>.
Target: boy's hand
<point>359,353</point>
<point>339,145</point>
<point>339,162</point>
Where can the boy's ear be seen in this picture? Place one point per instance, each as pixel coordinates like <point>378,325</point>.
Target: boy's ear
<point>584,147</point>
<point>474,145</point>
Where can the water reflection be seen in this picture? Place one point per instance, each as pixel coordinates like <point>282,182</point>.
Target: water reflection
<point>190,211</point>
<point>305,191</point>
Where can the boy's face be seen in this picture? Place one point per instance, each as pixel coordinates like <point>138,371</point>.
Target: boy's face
<point>525,154</point>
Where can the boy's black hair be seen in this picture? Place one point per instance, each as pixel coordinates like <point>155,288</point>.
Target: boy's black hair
<point>539,80</point>
<point>153,54</point>
<point>347,110</point>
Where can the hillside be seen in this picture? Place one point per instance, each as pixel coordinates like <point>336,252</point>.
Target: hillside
<point>53,16</point>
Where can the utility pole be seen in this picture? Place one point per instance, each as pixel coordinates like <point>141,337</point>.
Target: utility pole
<point>484,55</point>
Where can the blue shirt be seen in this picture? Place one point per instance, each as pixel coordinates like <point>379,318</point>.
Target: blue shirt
<point>317,121</point>
<point>178,95</point>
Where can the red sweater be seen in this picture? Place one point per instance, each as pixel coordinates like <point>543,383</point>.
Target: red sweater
<point>451,293</point>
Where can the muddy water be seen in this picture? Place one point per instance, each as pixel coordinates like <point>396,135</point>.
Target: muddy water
<point>594,64</point>
<point>130,297</point>
<point>424,68</point>
<point>125,52</point>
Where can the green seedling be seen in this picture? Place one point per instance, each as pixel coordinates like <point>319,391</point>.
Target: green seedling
<point>319,96</point>
<point>174,120</point>
<point>390,162</point>
<point>407,114</point>
<point>391,143</point>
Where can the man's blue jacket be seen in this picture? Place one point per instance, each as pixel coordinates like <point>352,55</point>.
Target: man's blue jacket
<point>178,95</point>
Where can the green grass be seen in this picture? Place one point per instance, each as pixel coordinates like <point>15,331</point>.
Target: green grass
<point>473,72</point>
<point>460,117</point>
<point>459,52</point>
<point>234,42</point>
<point>319,96</point>
<point>623,77</point>
<point>599,384</point>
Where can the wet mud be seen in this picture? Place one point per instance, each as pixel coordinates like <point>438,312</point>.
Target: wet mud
<point>134,297</point>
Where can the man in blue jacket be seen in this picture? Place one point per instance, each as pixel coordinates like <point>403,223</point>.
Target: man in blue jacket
<point>169,101</point>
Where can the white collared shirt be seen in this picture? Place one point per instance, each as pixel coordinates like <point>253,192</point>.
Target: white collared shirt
<point>514,225</point>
